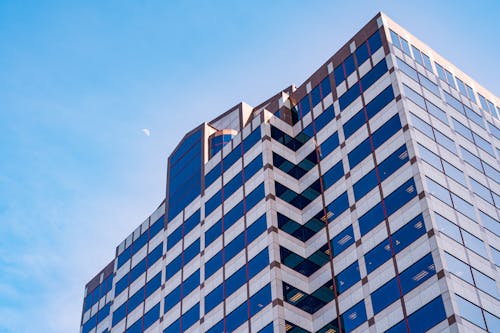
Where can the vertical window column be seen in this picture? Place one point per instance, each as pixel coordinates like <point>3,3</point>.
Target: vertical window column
<point>384,208</point>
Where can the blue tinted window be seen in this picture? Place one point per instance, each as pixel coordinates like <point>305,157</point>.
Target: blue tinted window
<point>423,319</point>
<point>151,316</point>
<point>359,153</point>
<point>213,233</point>
<point>349,65</point>
<point>174,237</point>
<point>385,169</point>
<point>172,298</point>
<point>237,317</point>
<point>232,186</point>
<point>379,137</point>
<point>153,285</point>
<point>337,207</point>
<point>213,264</point>
<point>213,175</point>
<point>235,281</point>
<point>333,175</point>
<point>373,75</point>
<point>427,62</point>
<point>123,257</point>
<point>234,247</point>
<point>347,278</point>
<point>135,300</point>
<point>192,251</point>
<point>342,241</point>
<point>380,101</point>
<point>267,329</point>
<point>256,228</point>
<point>422,126</point>
<point>353,124</point>
<point>375,42</point>
<point>338,73</point>
<point>255,196</point>
<point>173,267</point>
<point>191,283</point>
<point>459,268</point>
<point>119,314</point>
<point>315,96</point>
<point>214,202</point>
<point>362,53</point>
<point>184,174</point>
<point>414,96</point>
<point>175,327</point>
<point>365,184</point>
<point>325,87</point>
<point>233,215</point>
<point>121,285</point>
<point>191,222</point>
<point>253,167</point>
<point>393,202</point>
<point>400,196</point>
<point>416,55</point>
<point>190,317</point>
<point>155,254</point>
<point>417,273</point>
<point>329,145</point>
<point>354,317</point>
<point>323,119</point>
<point>450,79</point>
<point>385,295</point>
<point>440,71</point>
<point>258,263</point>
<point>260,299</point>
<point>305,107</point>
<point>429,85</point>
<point>137,270</point>
<point>474,243</point>
<point>214,298</point>
<point>371,219</point>
<point>217,328</point>
<point>407,69</point>
<point>395,39</point>
<point>251,139</point>
<point>349,96</point>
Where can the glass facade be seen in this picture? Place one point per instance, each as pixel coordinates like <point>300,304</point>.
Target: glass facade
<point>373,208</point>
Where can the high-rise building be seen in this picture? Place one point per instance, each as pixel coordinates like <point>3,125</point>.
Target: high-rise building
<point>364,200</point>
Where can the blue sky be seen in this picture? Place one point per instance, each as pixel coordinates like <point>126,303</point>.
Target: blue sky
<point>79,80</point>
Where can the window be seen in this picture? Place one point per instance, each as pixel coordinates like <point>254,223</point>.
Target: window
<point>416,55</point>
<point>459,268</point>
<point>423,319</point>
<point>395,39</point>
<point>454,103</point>
<point>414,96</point>
<point>461,87</point>
<point>405,46</point>
<point>403,237</point>
<point>393,202</point>
<point>490,223</point>
<point>470,312</point>
<point>427,62</point>
<point>440,71</point>
<point>474,243</point>
<point>347,278</point>
<point>448,228</point>
<point>439,191</point>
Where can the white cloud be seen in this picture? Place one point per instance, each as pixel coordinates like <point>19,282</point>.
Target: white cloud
<point>146,131</point>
